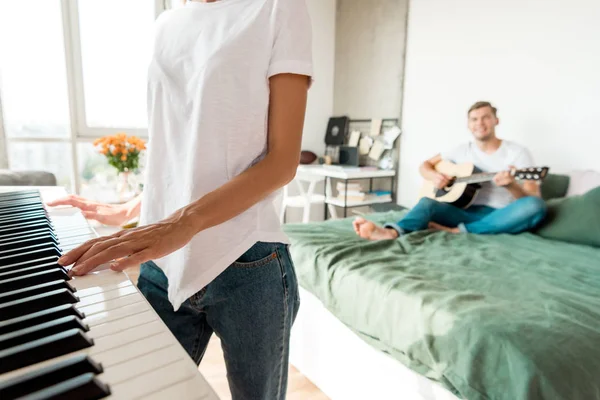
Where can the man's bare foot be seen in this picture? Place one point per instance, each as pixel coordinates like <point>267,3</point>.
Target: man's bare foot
<point>433,225</point>
<point>368,230</point>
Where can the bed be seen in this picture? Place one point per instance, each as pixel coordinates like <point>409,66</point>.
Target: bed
<point>438,316</point>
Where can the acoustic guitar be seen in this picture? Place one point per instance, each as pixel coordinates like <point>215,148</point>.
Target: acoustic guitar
<point>466,182</point>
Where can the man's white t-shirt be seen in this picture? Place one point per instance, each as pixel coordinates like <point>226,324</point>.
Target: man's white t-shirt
<point>208,102</point>
<point>509,153</point>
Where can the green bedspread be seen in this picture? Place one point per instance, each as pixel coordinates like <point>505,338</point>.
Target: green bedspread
<point>489,317</point>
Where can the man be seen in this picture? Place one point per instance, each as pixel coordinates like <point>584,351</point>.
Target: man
<point>504,206</point>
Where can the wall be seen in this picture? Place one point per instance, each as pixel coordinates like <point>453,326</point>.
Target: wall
<point>537,60</point>
<point>320,96</point>
<point>369,63</point>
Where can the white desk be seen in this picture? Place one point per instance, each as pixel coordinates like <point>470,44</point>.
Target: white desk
<point>348,174</point>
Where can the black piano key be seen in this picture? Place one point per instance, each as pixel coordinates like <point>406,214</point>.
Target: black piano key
<point>43,349</point>
<point>31,217</point>
<point>36,278</point>
<point>24,228</point>
<point>33,233</point>
<point>14,270</point>
<point>35,290</point>
<point>22,193</point>
<point>5,205</point>
<point>36,303</point>
<point>25,208</point>
<point>48,376</point>
<point>39,317</point>
<point>30,255</point>
<point>41,331</point>
<point>83,387</point>
<point>47,238</point>
<point>25,249</point>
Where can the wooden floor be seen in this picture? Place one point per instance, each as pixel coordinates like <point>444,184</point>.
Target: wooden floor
<point>213,369</point>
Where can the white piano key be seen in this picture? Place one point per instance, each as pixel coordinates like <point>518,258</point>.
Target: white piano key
<point>113,315</point>
<point>103,330</point>
<point>90,291</point>
<point>121,338</point>
<point>111,304</point>
<point>183,390</point>
<point>158,379</point>
<point>131,368</point>
<point>109,295</point>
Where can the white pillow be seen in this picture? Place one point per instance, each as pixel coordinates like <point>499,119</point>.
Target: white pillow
<point>582,182</point>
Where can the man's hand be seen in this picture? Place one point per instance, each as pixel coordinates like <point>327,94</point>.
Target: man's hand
<point>107,214</point>
<point>130,247</point>
<point>505,178</point>
<point>441,181</point>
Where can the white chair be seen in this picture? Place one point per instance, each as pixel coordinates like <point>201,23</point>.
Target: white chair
<point>305,198</point>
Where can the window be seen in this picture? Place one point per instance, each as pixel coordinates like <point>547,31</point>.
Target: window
<point>72,71</point>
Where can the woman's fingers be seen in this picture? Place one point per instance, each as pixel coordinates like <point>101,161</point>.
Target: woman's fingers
<point>73,255</point>
<point>73,201</point>
<point>97,248</point>
<point>132,261</point>
<point>103,257</point>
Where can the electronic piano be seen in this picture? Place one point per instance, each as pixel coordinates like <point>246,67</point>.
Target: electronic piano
<point>90,337</point>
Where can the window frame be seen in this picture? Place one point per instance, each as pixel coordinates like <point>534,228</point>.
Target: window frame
<point>79,130</point>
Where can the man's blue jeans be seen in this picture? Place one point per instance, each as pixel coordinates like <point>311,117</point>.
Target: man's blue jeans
<point>251,307</point>
<point>519,216</point>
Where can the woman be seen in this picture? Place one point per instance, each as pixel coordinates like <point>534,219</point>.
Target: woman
<point>227,96</point>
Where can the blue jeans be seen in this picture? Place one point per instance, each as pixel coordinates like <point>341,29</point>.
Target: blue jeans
<point>251,307</point>
<point>519,216</point>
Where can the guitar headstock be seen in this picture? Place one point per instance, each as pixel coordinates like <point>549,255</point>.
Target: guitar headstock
<point>532,173</point>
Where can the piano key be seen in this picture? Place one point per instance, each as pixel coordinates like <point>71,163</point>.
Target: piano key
<point>22,217</point>
<point>115,314</point>
<point>25,208</point>
<point>18,269</point>
<point>12,203</point>
<point>111,304</point>
<point>122,325</point>
<point>43,349</point>
<point>83,387</point>
<point>24,281</point>
<point>188,389</point>
<point>36,303</point>
<point>21,193</point>
<point>30,240</point>
<point>33,233</point>
<point>8,297</point>
<point>40,317</point>
<point>157,379</point>
<point>24,228</point>
<point>109,295</point>
<point>48,376</point>
<point>36,254</point>
<point>40,331</point>
<point>26,249</point>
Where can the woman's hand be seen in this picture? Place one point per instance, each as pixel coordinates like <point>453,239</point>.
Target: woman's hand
<point>107,214</point>
<point>130,247</point>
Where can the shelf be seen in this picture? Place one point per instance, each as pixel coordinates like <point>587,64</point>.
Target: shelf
<point>340,202</point>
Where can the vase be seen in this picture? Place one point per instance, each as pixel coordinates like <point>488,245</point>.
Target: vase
<point>125,186</point>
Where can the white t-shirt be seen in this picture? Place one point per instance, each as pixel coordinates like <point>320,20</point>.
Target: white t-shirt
<point>208,101</point>
<point>509,153</point>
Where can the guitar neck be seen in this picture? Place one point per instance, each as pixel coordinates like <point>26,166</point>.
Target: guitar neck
<point>476,178</point>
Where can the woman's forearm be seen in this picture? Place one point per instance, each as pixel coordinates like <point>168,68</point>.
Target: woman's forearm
<point>238,195</point>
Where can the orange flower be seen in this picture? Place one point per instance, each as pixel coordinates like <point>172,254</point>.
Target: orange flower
<point>124,157</point>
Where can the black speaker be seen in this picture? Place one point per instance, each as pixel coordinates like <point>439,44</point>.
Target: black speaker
<point>337,129</point>
<point>349,156</point>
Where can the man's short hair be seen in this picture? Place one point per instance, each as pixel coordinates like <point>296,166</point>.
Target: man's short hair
<point>482,104</point>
